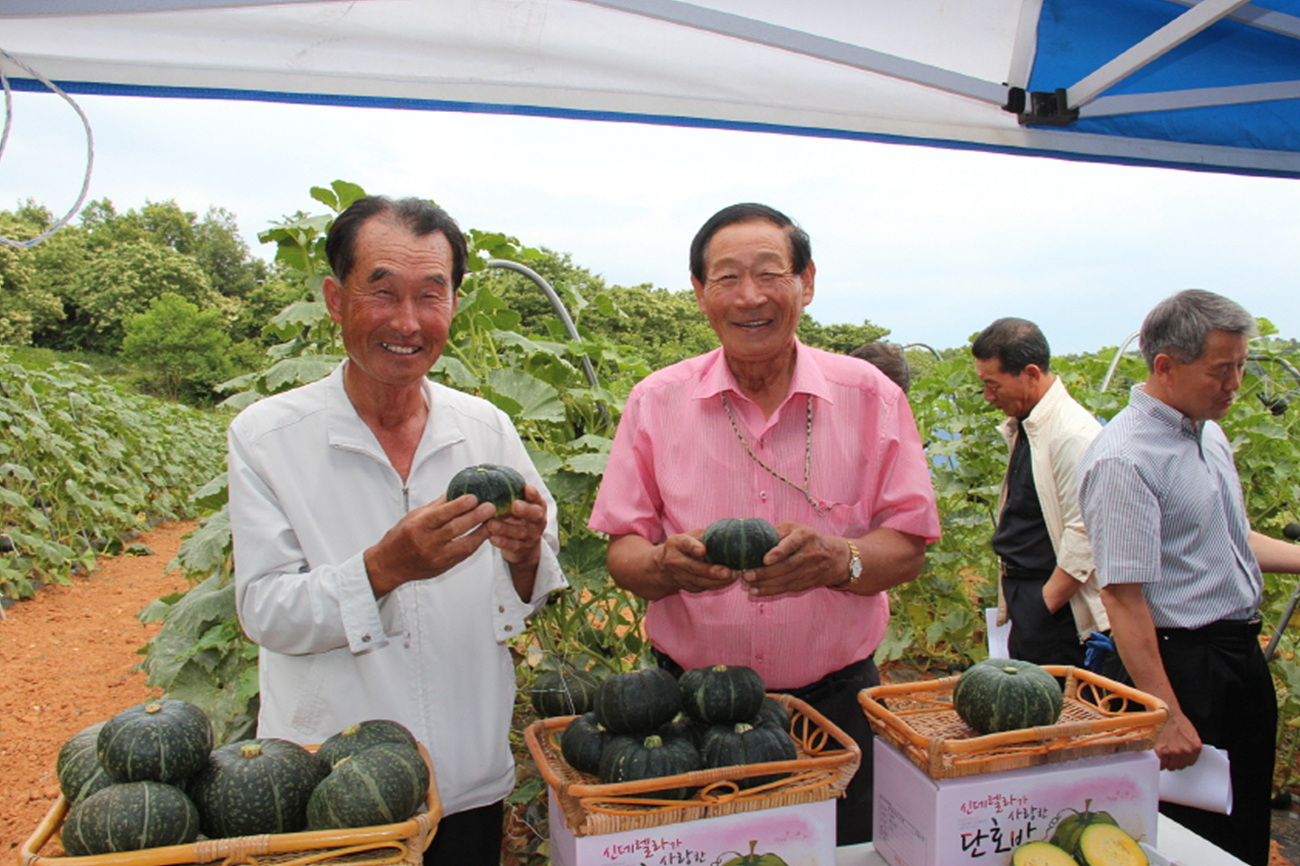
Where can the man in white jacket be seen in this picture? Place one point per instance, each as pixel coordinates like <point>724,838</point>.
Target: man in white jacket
<point>1048,586</point>
<point>370,594</point>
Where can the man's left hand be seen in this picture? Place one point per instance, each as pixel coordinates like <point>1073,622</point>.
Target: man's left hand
<point>518,535</point>
<point>802,560</point>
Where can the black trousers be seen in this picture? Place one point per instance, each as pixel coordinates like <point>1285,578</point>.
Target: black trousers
<point>469,838</point>
<point>1223,685</point>
<point>1037,634</point>
<point>835,696</point>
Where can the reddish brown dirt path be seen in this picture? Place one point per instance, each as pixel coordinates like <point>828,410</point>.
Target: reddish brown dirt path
<point>66,661</point>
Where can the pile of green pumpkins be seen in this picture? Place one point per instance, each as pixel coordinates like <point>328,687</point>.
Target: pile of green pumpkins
<point>647,724</point>
<point>150,777</point>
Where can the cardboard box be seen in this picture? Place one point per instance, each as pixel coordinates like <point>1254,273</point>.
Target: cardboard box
<point>802,834</point>
<point>979,820</point>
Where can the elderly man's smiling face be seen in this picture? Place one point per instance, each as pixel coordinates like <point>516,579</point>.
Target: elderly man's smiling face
<point>749,294</point>
<point>396,305</point>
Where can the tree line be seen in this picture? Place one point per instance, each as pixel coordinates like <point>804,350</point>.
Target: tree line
<point>181,305</point>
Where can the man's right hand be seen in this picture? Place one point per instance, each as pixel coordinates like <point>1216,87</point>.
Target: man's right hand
<point>427,541</point>
<point>653,571</point>
<point>1178,745</point>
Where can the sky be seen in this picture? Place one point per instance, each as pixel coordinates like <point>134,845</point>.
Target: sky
<point>932,244</point>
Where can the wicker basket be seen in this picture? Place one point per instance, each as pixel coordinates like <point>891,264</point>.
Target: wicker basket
<point>827,759</point>
<point>400,844</point>
<point>1100,717</point>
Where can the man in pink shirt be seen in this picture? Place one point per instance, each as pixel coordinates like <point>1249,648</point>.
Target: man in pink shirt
<point>821,445</point>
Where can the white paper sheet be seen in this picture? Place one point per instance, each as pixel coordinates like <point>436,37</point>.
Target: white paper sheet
<point>1205,784</point>
<point>997,634</point>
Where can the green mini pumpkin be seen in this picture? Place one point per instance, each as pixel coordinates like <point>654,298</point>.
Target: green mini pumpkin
<point>741,744</point>
<point>159,741</point>
<point>998,695</point>
<point>489,482</point>
<point>637,702</point>
<point>564,692</point>
<point>362,735</point>
<point>78,768</point>
<point>722,694</point>
<point>583,742</point>
<point>254,787</point>
<point>383,784</point>
<point>739,543</point>
<point>129,816</point>
<point>631,759</point>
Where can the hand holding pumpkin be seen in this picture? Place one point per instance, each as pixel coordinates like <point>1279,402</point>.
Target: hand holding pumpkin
<point>803,559</point>
<point>427,541</point>
<point>681,561</point>
<point>517,532</point>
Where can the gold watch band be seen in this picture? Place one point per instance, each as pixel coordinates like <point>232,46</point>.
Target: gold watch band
<point>855,568</point>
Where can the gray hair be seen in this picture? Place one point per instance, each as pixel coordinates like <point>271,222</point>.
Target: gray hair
<point>1179,325</point>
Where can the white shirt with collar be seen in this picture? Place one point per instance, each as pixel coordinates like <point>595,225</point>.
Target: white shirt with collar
<point>310,490</point>
<point>1060,431</point>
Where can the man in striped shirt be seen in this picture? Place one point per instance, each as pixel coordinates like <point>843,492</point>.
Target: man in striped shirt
<point>1179,564</point>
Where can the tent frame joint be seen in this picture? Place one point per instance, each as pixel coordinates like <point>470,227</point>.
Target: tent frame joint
<point>1040,107</point>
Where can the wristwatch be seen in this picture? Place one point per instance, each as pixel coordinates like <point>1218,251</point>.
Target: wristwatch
<point>855,568</point>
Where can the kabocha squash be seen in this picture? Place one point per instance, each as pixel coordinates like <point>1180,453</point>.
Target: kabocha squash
<point>489,482</point>
<point>742,743</point>
<point>128,816</point>
<point>722,694</point>
<point>254,787</point>
<point>583,742</point>
<point>383,784</point>
<point>159,741</point>
<point>772,712</point>
<point>1108,845</point>
<point>564,692</point>
<point>683,725</point>
<point>1071,829</point>
<point>630,759</point>
<point>78,768</point>
<point>739,543</point>
<point>362,735</point>
<point>1041,854</point>
<point>637,702</point>
<point>1007,694</point>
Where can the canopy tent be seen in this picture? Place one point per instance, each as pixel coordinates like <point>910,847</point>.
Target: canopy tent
<point>1210,85</point>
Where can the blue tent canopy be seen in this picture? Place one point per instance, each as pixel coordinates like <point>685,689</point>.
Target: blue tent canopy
<point>1211,85</point>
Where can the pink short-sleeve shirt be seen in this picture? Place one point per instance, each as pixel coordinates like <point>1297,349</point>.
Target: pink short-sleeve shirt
<point>678,465</point>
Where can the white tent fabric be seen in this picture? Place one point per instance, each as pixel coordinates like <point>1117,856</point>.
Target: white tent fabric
<point>1213,85</point>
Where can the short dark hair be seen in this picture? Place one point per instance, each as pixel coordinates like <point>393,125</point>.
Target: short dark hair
<point>800,243</point>
<point>1016,343</point>
<point>1179,325</point>
<point>417,215</point>
<point>889,359</point>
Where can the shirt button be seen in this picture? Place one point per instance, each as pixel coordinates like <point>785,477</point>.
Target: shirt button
<point>501,608</point>
<point>762,494</point>
<point>365,638</point>
<point>510,628</point>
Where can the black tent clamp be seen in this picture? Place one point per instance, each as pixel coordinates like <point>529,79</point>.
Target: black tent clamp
<point>1045,107</point>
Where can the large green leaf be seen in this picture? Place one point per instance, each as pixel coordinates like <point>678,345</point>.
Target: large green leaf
<point>537,400</point>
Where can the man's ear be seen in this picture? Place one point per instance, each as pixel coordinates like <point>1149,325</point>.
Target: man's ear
<point>333,293</point>
<point>1162,365</point>
<point>699,293</point>
<point>808,277</point>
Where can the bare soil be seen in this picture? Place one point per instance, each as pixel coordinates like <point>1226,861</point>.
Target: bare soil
<point>67,660</point>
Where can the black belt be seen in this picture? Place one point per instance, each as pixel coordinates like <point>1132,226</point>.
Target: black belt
<point>1224,628</point>
<point>1015,572</point>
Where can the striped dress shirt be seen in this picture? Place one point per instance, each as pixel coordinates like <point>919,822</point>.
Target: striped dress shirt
<point>677,465</point>
<point>1162,503</point>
